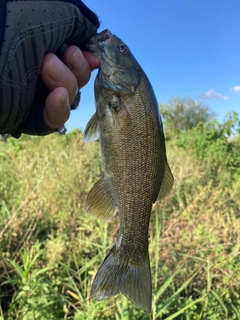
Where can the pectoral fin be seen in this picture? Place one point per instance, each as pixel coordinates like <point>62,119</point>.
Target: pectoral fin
<point>92,131</point>
<point>99,201</point>
<point>167,182</point>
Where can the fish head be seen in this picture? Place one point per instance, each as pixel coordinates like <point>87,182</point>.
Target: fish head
<point>119,71</point>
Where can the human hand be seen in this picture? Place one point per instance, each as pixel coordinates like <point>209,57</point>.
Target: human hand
<point>64,78</point>
<point>29,102</point>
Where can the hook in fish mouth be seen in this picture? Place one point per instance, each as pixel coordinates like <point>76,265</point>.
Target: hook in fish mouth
<point>96,41</point>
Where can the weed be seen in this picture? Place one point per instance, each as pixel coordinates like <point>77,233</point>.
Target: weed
<point>50,249</point>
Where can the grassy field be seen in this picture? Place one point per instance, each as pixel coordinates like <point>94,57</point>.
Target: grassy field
<point>50,249</point>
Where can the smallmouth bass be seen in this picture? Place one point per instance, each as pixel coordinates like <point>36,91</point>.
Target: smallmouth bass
<point>128,124</point>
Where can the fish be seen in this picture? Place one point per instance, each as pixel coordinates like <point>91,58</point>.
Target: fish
<point>135,169</point>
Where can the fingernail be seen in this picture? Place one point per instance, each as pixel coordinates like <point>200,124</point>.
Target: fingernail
<point>77,61</point>
<point>56,70</point>
<point>65,102</point>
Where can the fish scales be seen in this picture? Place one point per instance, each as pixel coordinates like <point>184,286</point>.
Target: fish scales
<point>134,199</point>
<point>130,130</point>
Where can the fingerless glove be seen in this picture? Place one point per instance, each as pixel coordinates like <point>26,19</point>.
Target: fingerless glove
<point>29,29</point>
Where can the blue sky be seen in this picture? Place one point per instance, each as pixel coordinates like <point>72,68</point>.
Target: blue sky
<point>187,48</point>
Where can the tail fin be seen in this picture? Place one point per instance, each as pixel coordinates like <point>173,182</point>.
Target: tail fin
<point>119,275</point>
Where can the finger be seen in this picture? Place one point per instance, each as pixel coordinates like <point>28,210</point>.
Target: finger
<point>93,61</point>
<point>55,74</point>
<point>76,62</point>
<point>57,108</point>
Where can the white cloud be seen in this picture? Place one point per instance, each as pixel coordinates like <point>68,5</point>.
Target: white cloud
<point>236,89</point>
<point>212,94</point>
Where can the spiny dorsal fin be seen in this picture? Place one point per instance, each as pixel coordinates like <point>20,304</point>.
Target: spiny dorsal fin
<point>91,132</point>
<point>99,201</point>
<point>167,182</point>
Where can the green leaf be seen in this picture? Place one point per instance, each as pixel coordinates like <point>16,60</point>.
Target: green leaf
<point>175,295</point>
<point>17,268</point>
<point>173,316</point>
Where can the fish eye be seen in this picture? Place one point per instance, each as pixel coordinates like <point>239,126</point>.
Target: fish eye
<point>123,48</point>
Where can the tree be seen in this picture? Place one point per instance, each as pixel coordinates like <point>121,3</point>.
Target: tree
<point>184,114</point>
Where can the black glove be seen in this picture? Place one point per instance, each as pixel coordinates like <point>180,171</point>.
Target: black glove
<point>29,29</point>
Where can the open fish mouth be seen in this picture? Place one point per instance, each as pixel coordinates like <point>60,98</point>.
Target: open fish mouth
<point>96,43</point>
<point>102,36</point>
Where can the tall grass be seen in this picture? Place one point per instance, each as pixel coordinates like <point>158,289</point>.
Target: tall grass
<point>50,249</point>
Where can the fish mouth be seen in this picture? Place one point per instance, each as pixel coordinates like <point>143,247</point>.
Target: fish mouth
<point>97,41</point>
<point>102,36</point>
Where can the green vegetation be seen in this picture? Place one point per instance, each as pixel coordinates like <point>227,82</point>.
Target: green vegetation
<point>50,249</point>
<point>182,114</point>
